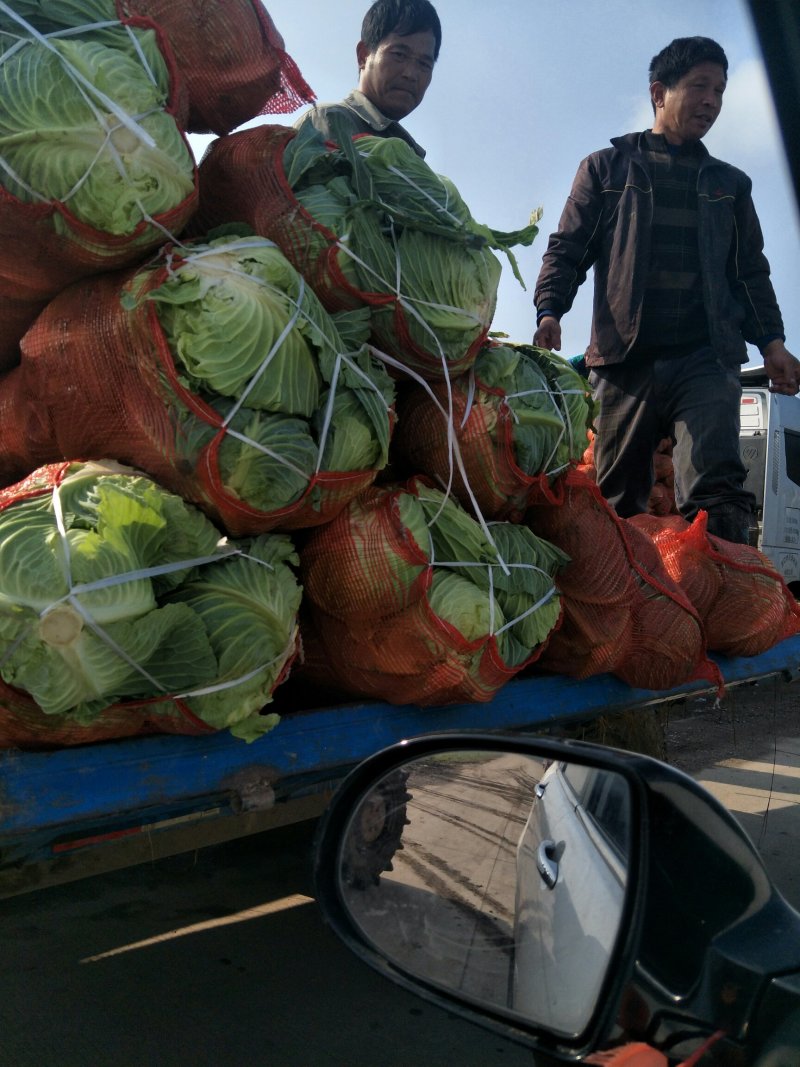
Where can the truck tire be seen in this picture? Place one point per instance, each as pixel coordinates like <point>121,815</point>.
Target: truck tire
<point>376,833</point>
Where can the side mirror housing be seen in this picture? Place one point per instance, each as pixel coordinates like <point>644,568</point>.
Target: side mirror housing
<point>564,894</point>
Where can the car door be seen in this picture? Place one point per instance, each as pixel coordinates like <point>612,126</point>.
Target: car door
<point>571,870</point>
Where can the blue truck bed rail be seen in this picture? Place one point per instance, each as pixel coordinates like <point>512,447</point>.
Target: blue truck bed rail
<point>73,799</point>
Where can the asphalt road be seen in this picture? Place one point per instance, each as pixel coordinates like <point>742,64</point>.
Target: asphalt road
<point>221,959</point>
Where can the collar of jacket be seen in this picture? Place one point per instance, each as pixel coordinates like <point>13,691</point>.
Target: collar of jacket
<point>366,110</point>
<point>631,144</point>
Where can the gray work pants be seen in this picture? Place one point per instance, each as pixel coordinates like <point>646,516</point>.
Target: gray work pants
<point>695,400</point>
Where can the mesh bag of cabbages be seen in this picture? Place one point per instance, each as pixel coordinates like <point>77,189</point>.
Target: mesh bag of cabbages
<point>123,611</point>
<point>519,415</point>
<point>94,165</point>
<point>213,368</point>
<point>623,613</point>
<point>367,223</point>
<point>744,603</point>
<point>410,600</point>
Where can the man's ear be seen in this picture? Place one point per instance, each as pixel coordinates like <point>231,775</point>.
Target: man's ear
<point>657,93</point>
<point>362,51</point>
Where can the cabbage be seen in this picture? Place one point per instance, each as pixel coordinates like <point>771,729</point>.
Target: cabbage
<point>265,459</point>
<point>229,305</point>
<point>508,567</point>
<point>248,605</point>
<point>548,400</point>
<point>251,339</point>
<point>463,605</point>
<point>113,589</point>
<point>86,125</point>
<point>404,229</point>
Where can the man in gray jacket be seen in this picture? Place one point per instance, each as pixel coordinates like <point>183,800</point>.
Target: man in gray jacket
<point>400,41</point>
<point>681,284</point>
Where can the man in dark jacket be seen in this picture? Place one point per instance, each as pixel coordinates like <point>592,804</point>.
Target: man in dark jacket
<point>400,41</point>
<point>681,284</point>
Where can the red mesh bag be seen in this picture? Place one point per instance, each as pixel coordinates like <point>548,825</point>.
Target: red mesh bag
<point>24,725</point>
<point>493,480</point>
<point>231,58</point>
<point>684,551</point>
<point>573,515</point>
<point>616,585</point>
<point>743,601</point>
<point>98,381</point>
<point>369,623</point>
<point>592,639</point>
<point>412,657</point>
<point>242,180</point>
<point>37,261</point>
<point>365,563</point>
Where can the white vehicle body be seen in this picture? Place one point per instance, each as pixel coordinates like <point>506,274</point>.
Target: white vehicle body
<point>770,449</point>
<point>571,874</point>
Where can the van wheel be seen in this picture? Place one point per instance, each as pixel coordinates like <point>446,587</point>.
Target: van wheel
<point>376,832</point>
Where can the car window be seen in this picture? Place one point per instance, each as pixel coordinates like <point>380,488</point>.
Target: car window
<point>604,799</point>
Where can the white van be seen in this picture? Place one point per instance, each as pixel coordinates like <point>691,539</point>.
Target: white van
<point>770,449</point>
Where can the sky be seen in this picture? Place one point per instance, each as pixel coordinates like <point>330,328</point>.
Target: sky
<point>525,89</point>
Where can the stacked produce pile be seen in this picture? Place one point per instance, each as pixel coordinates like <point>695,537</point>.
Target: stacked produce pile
<point>368,224</point>
<point>95,169</point>
<point>213,368</point>
<point>124,609</point>
<point>289,350</point>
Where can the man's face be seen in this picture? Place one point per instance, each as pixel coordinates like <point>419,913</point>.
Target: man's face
<point>688,110</point>
<point>396,74</point>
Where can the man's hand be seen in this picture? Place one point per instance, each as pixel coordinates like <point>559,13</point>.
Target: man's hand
<point>548,334</point>
<point>782,368</point>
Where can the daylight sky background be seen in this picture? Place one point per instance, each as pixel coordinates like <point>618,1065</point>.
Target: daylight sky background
<point>524,89</point>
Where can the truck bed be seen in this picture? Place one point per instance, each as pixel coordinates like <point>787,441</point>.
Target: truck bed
<point>61,811</point>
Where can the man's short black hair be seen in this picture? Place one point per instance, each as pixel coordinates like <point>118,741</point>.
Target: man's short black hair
<point>680,55</point>
<point>402,17</point>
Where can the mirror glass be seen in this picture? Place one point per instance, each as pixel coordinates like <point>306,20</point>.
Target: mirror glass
<point>497,876</point>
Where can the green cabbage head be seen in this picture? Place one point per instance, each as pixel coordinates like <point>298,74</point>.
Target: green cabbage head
<point>112,589</point>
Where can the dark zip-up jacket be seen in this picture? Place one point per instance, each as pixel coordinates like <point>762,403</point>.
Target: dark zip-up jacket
<point>606,224</point>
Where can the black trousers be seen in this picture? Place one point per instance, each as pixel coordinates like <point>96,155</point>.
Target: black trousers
<point>695,399</point>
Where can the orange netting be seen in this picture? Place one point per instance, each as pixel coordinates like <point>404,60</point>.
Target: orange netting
<point>368,626</point>
<point>743,601</point>
<point>242,180</point>
<point>231,58</point>
<point>623,613</point>
<point>44,247</point>
<point>485,439</point>
<point>24,725</point>
<point>97,381</point>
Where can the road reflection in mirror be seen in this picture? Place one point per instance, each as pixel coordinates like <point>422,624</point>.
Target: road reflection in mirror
<point>497,876</point>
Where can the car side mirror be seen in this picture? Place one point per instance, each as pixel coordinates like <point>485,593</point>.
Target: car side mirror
<point>562,893</point>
